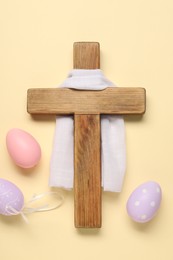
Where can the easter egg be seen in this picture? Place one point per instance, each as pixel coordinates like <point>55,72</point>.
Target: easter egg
<point>144,202</point>
<point>11,198</point>
<point>23,148</point>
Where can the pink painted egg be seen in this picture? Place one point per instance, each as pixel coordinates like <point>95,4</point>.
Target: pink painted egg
<point>144,202</point>
<point>23,148</point>
<point>11,198</point>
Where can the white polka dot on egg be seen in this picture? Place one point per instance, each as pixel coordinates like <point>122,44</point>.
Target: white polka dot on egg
<point>158,190</point>
<point>137,203</point>
<point>152,204</point>
<point>143,217</point>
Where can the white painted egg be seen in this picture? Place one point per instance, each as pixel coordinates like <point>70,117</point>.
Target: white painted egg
<point>11,198</point>
<point>144,202</point>
<point>23,148</point>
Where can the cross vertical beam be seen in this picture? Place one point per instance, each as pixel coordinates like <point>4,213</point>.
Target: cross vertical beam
<point>87,169</point>
<point>87,178</point>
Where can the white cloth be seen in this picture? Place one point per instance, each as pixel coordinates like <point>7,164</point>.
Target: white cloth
<point>113,151</point>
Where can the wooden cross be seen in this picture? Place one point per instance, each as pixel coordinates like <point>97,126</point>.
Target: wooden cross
<point>86,106</point>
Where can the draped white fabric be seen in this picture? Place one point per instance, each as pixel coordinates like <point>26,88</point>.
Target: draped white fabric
<point>113,150</point>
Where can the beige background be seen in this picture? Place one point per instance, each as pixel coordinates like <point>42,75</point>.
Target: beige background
<point>36,39</point>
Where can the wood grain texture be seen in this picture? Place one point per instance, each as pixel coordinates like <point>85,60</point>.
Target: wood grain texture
<point>68,101</point>
<point>87,177</point>
<point>87,181</point>
<point>86,55</point>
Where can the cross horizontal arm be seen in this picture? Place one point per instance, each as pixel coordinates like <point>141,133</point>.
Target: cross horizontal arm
<point>70,101</point>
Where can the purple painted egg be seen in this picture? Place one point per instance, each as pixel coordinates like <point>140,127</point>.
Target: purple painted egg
<point>11,198</point>
<point>144,202</point>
